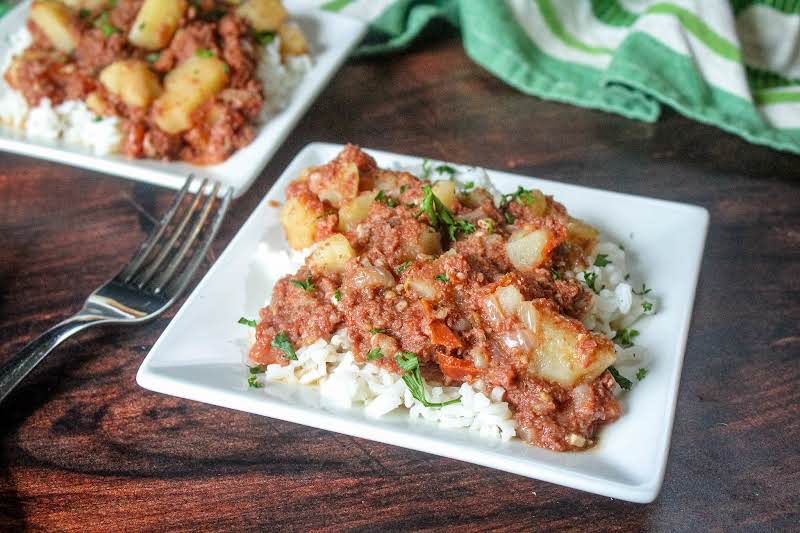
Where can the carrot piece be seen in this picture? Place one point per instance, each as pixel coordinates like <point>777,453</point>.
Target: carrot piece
<point>444,336</point>
<point>458,369</point>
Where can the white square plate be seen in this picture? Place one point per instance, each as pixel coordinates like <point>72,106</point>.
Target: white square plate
<point>331,37</point>
<point>199,356</point>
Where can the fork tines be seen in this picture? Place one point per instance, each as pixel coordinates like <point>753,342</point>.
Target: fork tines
<point>167,259</point>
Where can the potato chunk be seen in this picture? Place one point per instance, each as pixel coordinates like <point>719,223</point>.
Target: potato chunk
<point>132,81</point>
<point>332,254</point>
<point>263,15</point>
<point>446,192</point>
<point>565,351</point>
<point>582,235</point>
<point>57,22</point>
<point>187,87</point>
<point>529,249</point>
<point>293,42</point>
<point>92,5</point>
<point>156,22</point>
<point>299,222</point>
<point>354,211</point>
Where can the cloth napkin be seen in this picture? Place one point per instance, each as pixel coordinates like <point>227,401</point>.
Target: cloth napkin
<point>733,64</point>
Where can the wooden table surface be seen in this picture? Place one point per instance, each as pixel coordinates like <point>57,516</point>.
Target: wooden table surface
<point>83,447</point>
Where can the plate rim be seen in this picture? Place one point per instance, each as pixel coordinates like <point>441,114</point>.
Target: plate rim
<point>643,492</point>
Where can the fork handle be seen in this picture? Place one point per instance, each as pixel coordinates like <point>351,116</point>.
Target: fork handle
<point>20,365</point>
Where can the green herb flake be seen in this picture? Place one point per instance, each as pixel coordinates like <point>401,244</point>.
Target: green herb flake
<point>524,196</point>
<point>382,198</point>
<point>84,13</point>
<point>337,295</point>
<point>446,169</point>
<point>647,307</point>
<point>253,383</point>
<point>641,374</point>
<point>555,273</point>
<point>142,25</point>
<point>468,185</point>
<point>374,354</point>
<point>622,381</point>
<point>402,267</point>
<point>509,218</point>
<point>644,290</point>
<point>426,169</point>
<point>442,278</point>
<point>112,3</point>
<point>104,24</point>
<point>264,37</point>
<point>247,322</point>
<point>440,217</point>
<point>409,364</point>
<point>260,369</point>
<point>152,57</point>
<point>204,52</point>
<point>590,278</point>
<point>601,260</point>
<point>281,342</point>
<point>625,336</point>
<point>377,330</point>
<point>403,189</point>
<point>306,285</point>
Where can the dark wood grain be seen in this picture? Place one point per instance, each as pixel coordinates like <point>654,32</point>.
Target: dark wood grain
<point>83,447</point>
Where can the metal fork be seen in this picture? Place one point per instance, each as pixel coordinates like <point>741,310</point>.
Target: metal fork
<point>155,277</point>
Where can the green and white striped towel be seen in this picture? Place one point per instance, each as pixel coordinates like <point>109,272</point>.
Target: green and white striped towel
<point>734,64</point>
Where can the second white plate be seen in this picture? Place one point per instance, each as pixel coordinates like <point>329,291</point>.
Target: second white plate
<point>200,354</point>
<point>331,37</point>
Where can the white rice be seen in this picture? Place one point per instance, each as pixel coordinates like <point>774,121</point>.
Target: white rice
<point>345,383</point>
<point>73,124</point>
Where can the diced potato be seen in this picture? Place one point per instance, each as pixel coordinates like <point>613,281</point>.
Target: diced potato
<point>263,15</point>
<point>476,197</point>
<point>187,87</point>
<point>156,22</point>
<point>57,22</point>
<point>293,42</point>
<point>528,249</point>
<point>509,298</point>
<point>446,192</point>
<point>430,243</point>
<point>299,223</point>
<point>582,235</point>
<point>332,254</point>
<point>334,184</point>
<point>99,105</point>
<point>131,80</point>
<point>424,288</point>
<point>354,211</point>
<point>534,201</point>
<point>565,351</point>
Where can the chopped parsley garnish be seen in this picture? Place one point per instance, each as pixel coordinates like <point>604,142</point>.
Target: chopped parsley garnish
<point>409,364</point>
<point>306,285</point>
<point>446,169</point>
<point>440,216</point>
<point>377,330</point>
<point>601,260</point>
<point>258,369</point>
<point>381,198</point>
<point>402,267</point>
<point>105,25</point>
<point>84,13</point>
<point>625,336</point>
<point>644,290</point>
<point>253,383</point>
<point>247,322</point>
<point>281,342</point>
<point>403,188</point>
<point>488,223</point>
<point>264,37</point>
<point>442,278</point>
<point>591,278</point>
<point>204,52</point>
<point>152,57</point>
<point>374,354</point>
<point>555,273</point>
<point>142,25</point>
<point>641,374</point>
<point>337,295</point>
<point>112,3</point>
<point>621,380</point>
<point>627,277</point>
<point>468,185</point>
<point>509,218</point>
<point>524,196</point>
<point>426,169</point>
<point>647,307</point>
